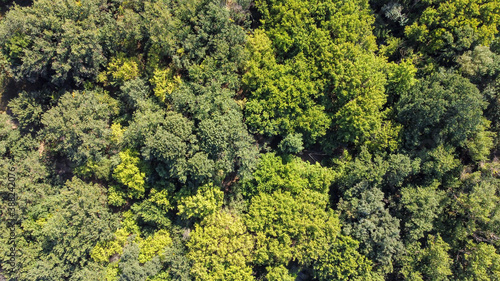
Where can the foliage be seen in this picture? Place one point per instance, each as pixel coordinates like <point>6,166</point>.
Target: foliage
<point>432,262</point>
<point>78,127</point>
<point>120,69</point>
<point>154,210</point>
<point>281,101</point>
<point>298,228</point>
<point>448,27</point>
<point>367,218</point>
<point>437,111</point>
<point>275,173</point>
<point>55,41</point>
<point>250,140</point>
<point>28,111</point>
<point>483,263</point>
<point>207,201</point>
<point>220,248</point>
<point>79,218</point>
<point>130,268</point>
<point>164,83</point>
<point>130,174</point>
<point>343,262</point>
<point>423,205</point>
<point>291,144</point>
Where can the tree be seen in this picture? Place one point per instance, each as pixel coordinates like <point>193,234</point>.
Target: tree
<point>281,97</point>
<point>174,144</point>
<point>207,201</point>
<point>432,262</point>
<point>447,28</point>
<point>358,101</point>
<point>130,267</point>
<point>481,262</point>
<point>293,175</point>
<point>212,48</point>
<point>54,41</point>
<point>79,218</point>
<point>153,211</point>
<point>130,174</point>
<point>298,80</point>
<point>134,94</point>
<point>28,109</point>
<point>221,248</point>
<point>366,186</point>
<point>78,127</point>
<point>31,189</point>
<point>436,259</point>
<point>343,262</point>
<point>482,68</point>
<point>369,221</point>
<point>278,273</point>
<point>291,144</point>
<point>442,109</point>
<point>423,204</point>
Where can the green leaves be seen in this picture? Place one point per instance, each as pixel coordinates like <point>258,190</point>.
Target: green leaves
<point>483,263</point>
<point>130,174</point>
<point>448,27</point>
<point>207,201</point>
<point>424,204</point>
<point>312,71</point>
<point>298,228</point>
<point>444,108</point>
<point>220,248</point>
<point>79,219</point>
<point>60,41</point>
<point>282,96</point>
<point>78,127</point>
<point>408,182</point>
<point>343,262</point>
<point>274,173</point>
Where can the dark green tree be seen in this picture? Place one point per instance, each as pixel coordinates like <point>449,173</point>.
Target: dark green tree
<point>78,219</point>
<point>78,127</point>
<point>52,41</point>
<point>443,109</point>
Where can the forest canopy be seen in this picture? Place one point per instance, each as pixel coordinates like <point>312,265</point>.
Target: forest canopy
<point>162,140</point>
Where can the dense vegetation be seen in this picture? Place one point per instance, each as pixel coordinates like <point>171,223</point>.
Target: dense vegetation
<point>250,140</point>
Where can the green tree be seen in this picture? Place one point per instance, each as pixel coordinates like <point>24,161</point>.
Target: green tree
<point>154,210</point>
<point>369,221</point>
<point>207,201</point>
<point>78,127</point>
<point>31,187</point>
<point>299,81</point>
<point>281,98</point>
<point>78,219</point>
<point>28,109</point>
<point>294,175</point>
<point>298,228</point>
<point>343,262</point>
<point>446,28</point>
<point>442,109</point>
<point>482,262</point>
<point>221,248</point>
<point>436,259</point>
<point>423,205</point>
<point>291,144</point>
<point>130,269</point>
<point>366,186</point>
<point>130,174</point>
<point>432,262</point>
<point>54,41</point>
